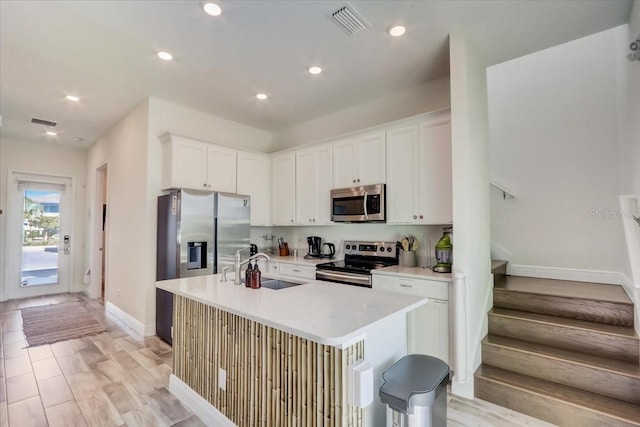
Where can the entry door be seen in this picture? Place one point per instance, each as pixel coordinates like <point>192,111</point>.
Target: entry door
<point>39,258</point>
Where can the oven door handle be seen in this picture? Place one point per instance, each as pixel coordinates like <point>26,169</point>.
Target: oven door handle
<point>366,214</point>
<point>356,279</point>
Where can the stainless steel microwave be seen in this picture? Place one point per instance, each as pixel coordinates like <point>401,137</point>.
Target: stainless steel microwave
<point>358,204</point>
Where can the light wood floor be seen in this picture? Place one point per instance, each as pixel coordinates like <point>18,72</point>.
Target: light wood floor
<point>111,379</point>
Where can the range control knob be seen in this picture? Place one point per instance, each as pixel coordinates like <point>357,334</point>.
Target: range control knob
<point>348,247</point>
<point>381,249</point>
<point>388,249</point>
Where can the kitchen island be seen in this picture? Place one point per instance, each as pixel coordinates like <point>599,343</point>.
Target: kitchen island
<point>280,357</point>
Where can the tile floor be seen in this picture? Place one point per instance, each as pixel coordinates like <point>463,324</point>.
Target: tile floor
<point>111,379</point>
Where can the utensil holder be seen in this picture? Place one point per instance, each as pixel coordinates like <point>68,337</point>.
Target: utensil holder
<point>407,259</point>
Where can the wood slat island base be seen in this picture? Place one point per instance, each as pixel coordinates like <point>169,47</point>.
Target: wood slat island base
<point>274,378</point>
<point>263,357</point>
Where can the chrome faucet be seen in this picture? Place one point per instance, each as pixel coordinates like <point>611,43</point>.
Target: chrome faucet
<point>239,263</point>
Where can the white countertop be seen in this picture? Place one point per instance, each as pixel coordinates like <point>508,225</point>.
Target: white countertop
<point>325,312</point>
<point>413,272</point>
<point>301,259</point>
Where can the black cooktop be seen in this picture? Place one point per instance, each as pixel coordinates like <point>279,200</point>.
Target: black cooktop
<point>359,265</point>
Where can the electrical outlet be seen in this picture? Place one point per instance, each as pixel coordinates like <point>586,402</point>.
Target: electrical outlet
<point>222,379</point>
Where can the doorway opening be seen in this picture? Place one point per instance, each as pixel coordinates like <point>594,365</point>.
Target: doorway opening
<point>101,229</point>
<point>39,256</point>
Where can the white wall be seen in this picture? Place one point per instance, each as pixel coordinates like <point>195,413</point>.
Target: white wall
<point>45,158</point>
<point>554,126</point>
<point>168,117</point>
<point>633,99</point>
<point>124,149</point>
<point>430,96</point>
<point>470,205</point>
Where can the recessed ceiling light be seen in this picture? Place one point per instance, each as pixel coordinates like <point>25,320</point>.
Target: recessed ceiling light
<point>72,98</point>
<point>315,70</point>
<point>165,55</point>
<point>212,9</point>
<point>396,30</point>
<point>261,96</point>
<point>78,139</point>
<point>51,133</point>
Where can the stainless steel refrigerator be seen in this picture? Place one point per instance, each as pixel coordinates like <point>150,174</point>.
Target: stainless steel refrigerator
<point>198,234</point>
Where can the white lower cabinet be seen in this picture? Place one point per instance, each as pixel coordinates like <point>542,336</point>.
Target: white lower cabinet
<point>428,325</point>
<point>298,271</point>
<point>285,270</point>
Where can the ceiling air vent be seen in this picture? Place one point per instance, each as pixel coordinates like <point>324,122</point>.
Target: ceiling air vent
<point>43,122</point>
<point>348,19</point>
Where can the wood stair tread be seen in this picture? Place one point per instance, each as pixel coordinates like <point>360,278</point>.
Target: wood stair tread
<point>582,400</point>
<point>617,366</point>
<point>623,331</point>
<point>497,263</point>
<point>565,288</point>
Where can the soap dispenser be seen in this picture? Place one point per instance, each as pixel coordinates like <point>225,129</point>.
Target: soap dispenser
<point>256,277</point>
<point>248,275</point>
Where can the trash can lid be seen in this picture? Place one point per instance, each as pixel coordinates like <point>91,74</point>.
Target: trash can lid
<point>412,381</point>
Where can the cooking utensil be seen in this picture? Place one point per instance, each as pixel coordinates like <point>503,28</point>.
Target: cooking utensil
<point>405,244</point>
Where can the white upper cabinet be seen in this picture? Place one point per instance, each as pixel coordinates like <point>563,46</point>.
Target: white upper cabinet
<point>197,165</point>
<point>402,166</point>
<point>283,188</point>
<point>221,168</point>
<point>184,163</point>
<point>359,160</point>
<point>436,190</point>
<point>254,179</point>
<point>419,173</point>
<point>313,185</point>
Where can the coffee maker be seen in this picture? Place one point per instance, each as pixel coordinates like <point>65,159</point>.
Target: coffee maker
<point>315,244</point>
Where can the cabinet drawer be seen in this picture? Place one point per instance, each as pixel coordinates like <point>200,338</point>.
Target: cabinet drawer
<point>424,288</point>
<point>304,271</point>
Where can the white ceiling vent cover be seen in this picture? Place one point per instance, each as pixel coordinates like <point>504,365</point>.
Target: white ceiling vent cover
<point>348,19</point>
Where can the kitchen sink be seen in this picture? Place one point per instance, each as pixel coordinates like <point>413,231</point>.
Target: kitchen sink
<point>276,284</point>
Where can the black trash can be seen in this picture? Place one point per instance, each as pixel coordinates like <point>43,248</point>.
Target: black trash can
<point>415,392</point>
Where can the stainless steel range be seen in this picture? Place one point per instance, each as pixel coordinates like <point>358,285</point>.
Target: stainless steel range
<point>359,259</point>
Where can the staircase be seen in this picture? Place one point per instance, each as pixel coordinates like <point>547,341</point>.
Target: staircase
<point>571,361</point>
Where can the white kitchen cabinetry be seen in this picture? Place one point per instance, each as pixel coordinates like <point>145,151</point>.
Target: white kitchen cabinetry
<point>184,163</point>
<point>283,189</point>
<point>254,179</point>
<point>297,271</point>
<point>359,160</point>
<point>286,270</point>
<point>221,168</point>
<point>313,185</point>
<point>419,172</point>
<point>197,165</point>
<point>428,325</point>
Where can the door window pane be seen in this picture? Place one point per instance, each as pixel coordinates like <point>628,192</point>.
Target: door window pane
<point>40,235</point>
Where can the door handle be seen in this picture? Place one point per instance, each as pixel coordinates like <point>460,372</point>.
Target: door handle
<point>65,244</point>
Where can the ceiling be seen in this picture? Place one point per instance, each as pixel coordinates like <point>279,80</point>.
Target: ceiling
<point>105,53</point>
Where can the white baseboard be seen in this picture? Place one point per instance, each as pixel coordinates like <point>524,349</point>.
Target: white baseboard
<point>463,389</point>
<point>136,328</point>
<point>629,287</point>
<point>207,413</point>
<point>575,274</point>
